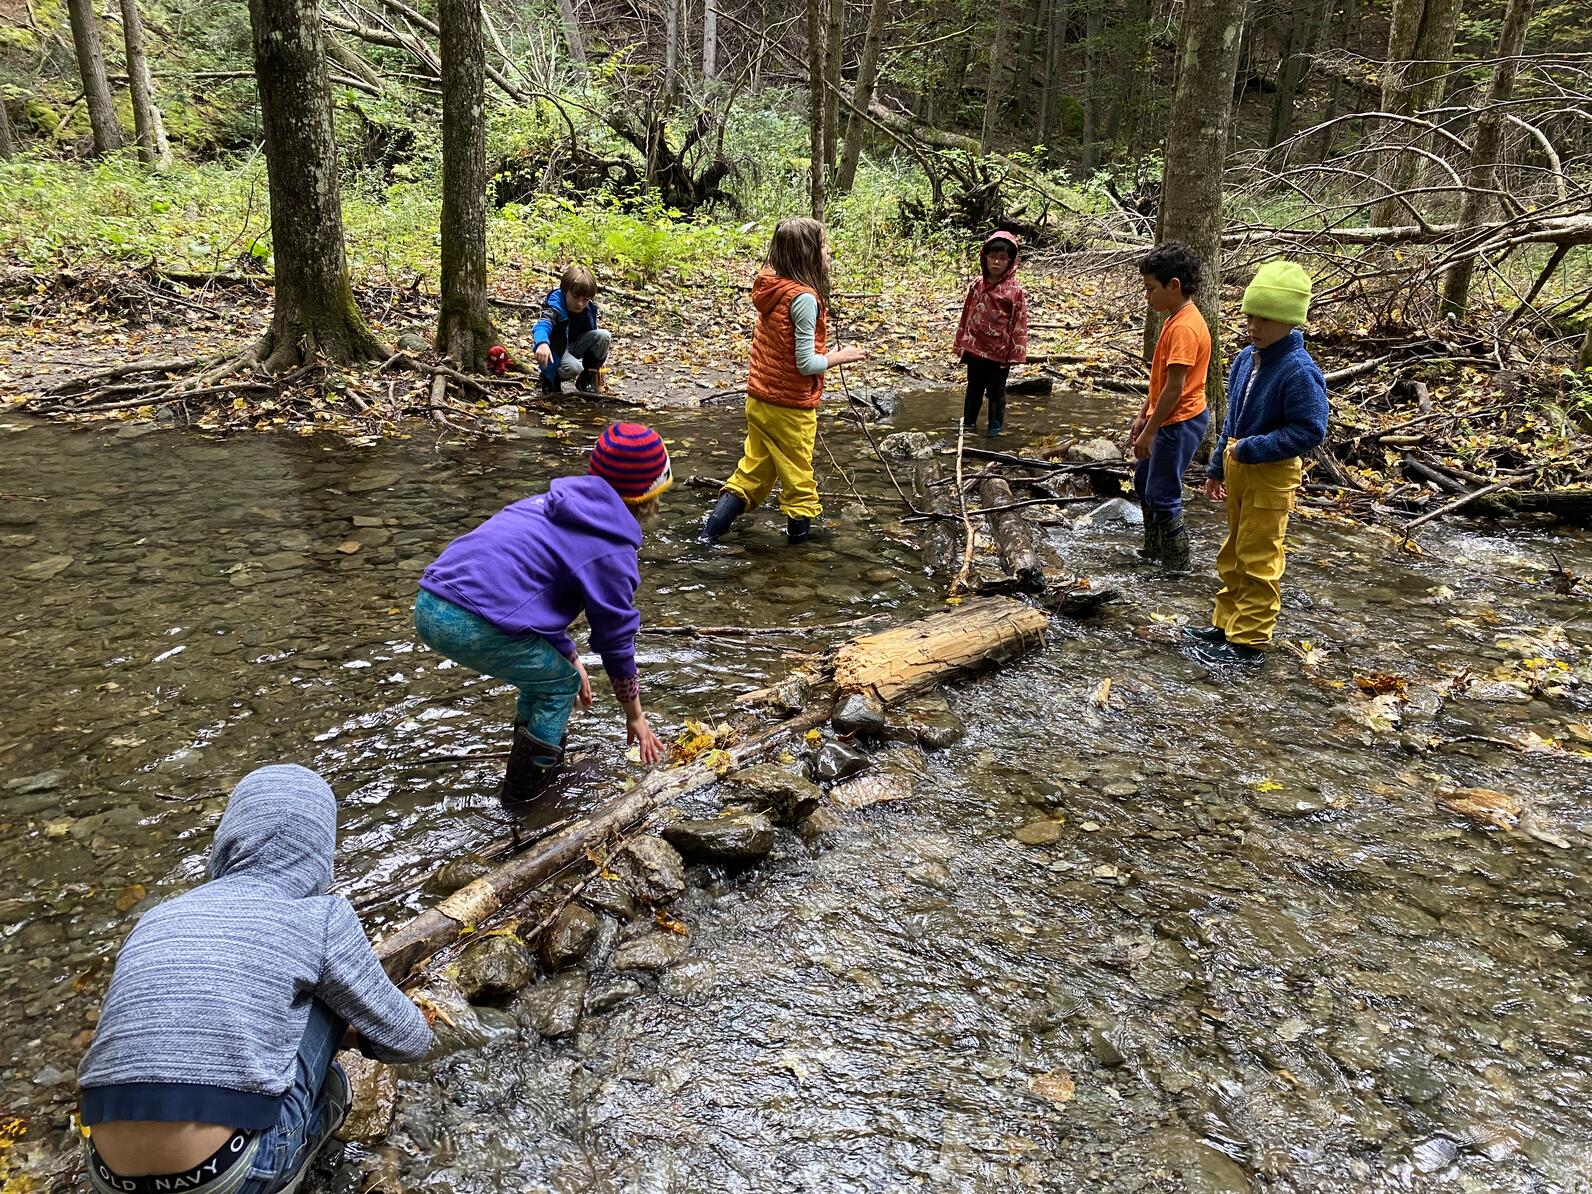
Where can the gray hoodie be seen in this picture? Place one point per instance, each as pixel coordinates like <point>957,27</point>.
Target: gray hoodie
<point>212,989</point>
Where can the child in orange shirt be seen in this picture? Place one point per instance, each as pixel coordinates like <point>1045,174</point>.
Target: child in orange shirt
<point>1169,429</point>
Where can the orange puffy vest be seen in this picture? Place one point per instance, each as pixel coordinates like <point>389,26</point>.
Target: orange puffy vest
<point>773,377</point>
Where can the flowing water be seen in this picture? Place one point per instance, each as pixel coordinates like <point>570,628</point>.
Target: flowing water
<point>1256,955</point>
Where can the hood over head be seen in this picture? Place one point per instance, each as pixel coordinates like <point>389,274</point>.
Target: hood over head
<point>770,289</point>
<point>280,828</point>
<point>591,505</point>
<point>1011,242</point>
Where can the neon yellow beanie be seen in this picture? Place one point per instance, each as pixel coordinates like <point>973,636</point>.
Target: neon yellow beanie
<point>1280,291</point>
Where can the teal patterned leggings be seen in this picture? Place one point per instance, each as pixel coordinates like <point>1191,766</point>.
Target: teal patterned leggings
<point>548,682</point>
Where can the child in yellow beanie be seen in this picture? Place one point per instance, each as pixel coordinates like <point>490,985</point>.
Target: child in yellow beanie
<point>1276,412</point>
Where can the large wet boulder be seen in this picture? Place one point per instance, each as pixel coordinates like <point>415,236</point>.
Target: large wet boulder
<point>835,761</point>
<point>1115,512</point>
<point>907,445</point>
<point>738,839</point>
<point>653,869</point>
<point>861,714</point>
<point>568,939</point>
<point>494,966</point>
<point>375,1101</point>
<point>1094,451</point>
<point>785,795</point>
<point>611,896</point>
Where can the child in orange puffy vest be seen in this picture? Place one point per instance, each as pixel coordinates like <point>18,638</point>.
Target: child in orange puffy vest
<point>993,333</point>
<point>785,383</point>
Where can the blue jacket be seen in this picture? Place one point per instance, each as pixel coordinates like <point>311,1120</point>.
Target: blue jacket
<point>557,328</point>
<point>536,565</point>
<point>1276,404</point>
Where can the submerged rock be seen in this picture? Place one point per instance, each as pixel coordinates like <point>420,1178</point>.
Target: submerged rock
<point>375,1101</point>
<point>461,872</point>
<point>609,996</point>
<point>818,826</point>
<point>610,896</point>
<point>553,1007</point>
<point>785,795</point>
<point>862,714</point>
<point>931,722</point>
<point>495,966</point>
<point>654,868</point>
<point>1038,833</point>
<point>649,953</point>
<point>568,939</point>
<point>835,761</point>
<point>742,838</point>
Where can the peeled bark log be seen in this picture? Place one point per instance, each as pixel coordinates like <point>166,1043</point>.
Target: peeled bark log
<point>914,658</point>
<point>464,324</point>
<point>1014,537</point>
<point>91,67</point>
<point>314,314</point>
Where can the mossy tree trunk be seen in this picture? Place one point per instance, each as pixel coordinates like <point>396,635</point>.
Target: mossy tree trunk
<point>1483,178</point>
<point>862,94</point>
<point>834,49</point>
<point>314,315</point>
<point>91,66</point>
<point>995,84</point>
<point>150,129</point>
<point>815,105</point>
<point>464,327</point>
<point>1196,142</point>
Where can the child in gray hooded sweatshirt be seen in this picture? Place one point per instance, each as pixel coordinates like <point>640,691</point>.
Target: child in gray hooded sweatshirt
<point>211,1067</point>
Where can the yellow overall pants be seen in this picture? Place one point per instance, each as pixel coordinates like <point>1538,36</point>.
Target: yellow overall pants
<point>779,447</point>
<point>1250,563</point>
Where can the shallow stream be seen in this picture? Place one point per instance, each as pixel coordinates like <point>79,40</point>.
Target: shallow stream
<point>1256,955</point>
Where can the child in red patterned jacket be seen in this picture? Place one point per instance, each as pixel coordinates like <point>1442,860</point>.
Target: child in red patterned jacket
<point>993,333</point>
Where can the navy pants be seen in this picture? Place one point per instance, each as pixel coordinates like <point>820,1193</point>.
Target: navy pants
<point>1159,480</point>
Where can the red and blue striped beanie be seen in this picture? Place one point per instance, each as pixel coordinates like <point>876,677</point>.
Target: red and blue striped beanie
<point>632,459</point>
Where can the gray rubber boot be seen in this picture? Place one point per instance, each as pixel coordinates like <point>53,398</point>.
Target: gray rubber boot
<point>1150,553</point>
<point>729,508</point>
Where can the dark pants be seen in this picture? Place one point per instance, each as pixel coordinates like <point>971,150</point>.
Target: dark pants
<point>1159,480</point>
<point>984,377</point>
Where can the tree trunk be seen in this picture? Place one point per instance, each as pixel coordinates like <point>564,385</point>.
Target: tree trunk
<point>1013,535</point>
<point>1091,85</point>
<point>815,104</point>
<point>1304,28</point>
<point>1584,361</point>
<point>914,658</point>
<point>1191,183</point>
<point>1482,179</point>
<point>862,94</point>
<point>1055,46</point>
<point>152,145</point>
<point>710,39</point>
<point>96,88</point>
<point>340,52</point>
<point>574,39</point>
<point>995,84</point>
<point>1348,20</point>
<point>464,325</point>
<point>671,48</point>
<point>8,141</point>
<point>314,314</point>
<point>1420,39</point>
<point>834,52</point>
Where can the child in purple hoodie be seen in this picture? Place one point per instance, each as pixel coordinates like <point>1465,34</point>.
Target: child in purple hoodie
<point>500,599</point>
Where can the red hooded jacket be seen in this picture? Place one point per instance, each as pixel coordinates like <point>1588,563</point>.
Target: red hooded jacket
<point>995,314</point>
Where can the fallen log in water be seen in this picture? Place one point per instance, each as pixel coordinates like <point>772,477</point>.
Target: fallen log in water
<point>942,551</point>
<point>1014,535</point>
<point>901,662</point>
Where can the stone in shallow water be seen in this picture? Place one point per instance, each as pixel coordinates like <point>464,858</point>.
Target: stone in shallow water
<point>495,966</point>
<point>654,868</point>
<point>735,839</point>
<point>649,953</point>
<point>1117,511</point>
<point>1038,833</point>
<point>611,995</point>
<point>610,896</point>
<point>569,938</point>
<point>785,795</point>
<point>375,1090</point>
<point>862,714</point>
<point>553,1007</point>
<point>835,761</point>
<point>46,569</point>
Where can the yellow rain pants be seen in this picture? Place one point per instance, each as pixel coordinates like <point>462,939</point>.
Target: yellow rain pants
<point>779,447</point>
<point>1250,563</point>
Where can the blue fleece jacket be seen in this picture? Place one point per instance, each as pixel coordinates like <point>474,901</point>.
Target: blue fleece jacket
<point>558,328</point>
<point>211,993</point>
<point>536,564</point>
<point>1276,404</point>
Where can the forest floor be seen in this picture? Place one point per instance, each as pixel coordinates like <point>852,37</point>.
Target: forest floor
<point>1418,421</point>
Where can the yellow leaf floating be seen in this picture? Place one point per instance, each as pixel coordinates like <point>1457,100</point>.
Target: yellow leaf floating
<point>1267,784</point>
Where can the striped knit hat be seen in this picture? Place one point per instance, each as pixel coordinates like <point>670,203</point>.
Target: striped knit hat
<point>633,460</point>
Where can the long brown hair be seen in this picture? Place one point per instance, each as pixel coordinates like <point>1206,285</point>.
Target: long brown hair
<point>797,253</point>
